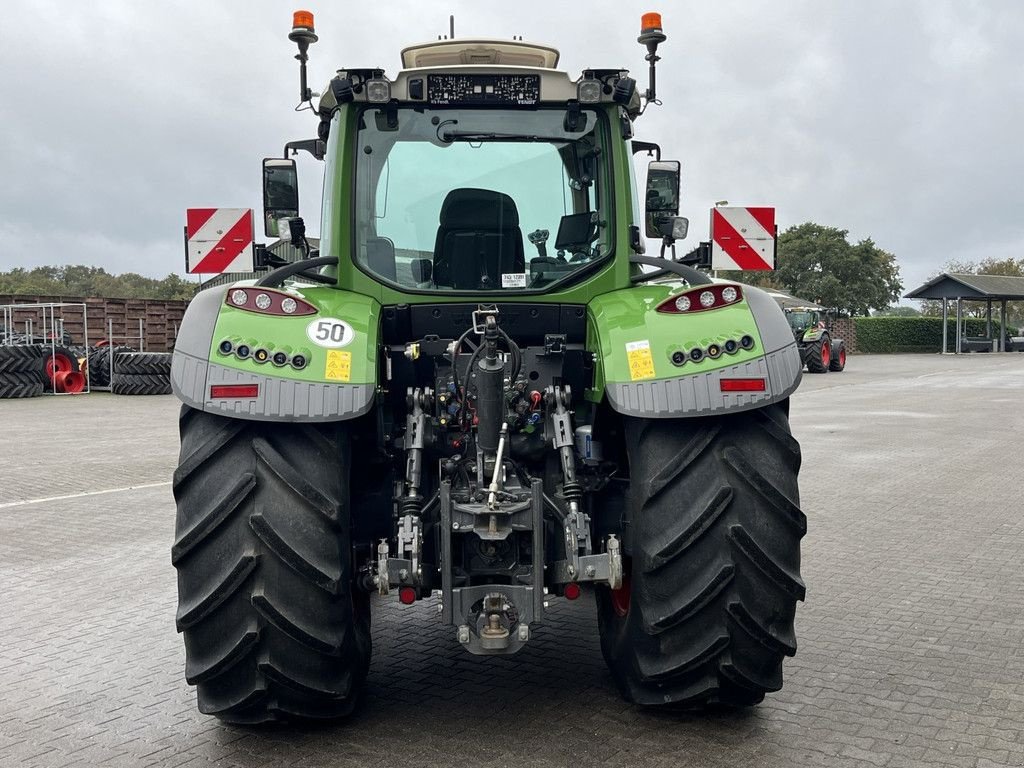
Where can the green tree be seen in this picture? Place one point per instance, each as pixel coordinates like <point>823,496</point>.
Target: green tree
<point>819,263</point>
<point>897,311</point>
<point>79,280</point>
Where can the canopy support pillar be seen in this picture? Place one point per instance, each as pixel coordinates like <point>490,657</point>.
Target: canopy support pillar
<point>945,325</point>
<point>1002,326</point>
<point>959,322</point>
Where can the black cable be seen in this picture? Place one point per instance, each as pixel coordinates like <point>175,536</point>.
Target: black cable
<point>469,370</point>
<point>517,356</point>
<point>455,363</point>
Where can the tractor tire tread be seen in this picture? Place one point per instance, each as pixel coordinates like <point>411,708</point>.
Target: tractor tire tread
<point>13,386</point>
<point>715,578</point>
<point>158,363</point>
<point>814,357</point>
<point>280,633</point>
<point>20,358</point>
<point>140,384</point>
<point>838,362</point>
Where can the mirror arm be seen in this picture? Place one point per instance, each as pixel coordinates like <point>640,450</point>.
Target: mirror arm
<point>689,274</point>
<point>316,147</point>
<point>646,146</point>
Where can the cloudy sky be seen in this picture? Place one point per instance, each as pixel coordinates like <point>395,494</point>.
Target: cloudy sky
<point>900,121</point>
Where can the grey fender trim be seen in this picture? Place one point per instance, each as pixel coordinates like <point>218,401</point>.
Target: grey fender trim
<point>700,395</point>
<point>771,321</point>
<point>195,336</point>
<point>279,399</point>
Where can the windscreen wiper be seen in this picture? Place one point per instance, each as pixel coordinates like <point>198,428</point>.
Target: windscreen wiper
<point>450,136</point>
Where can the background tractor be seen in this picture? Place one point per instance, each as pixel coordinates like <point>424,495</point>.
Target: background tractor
<point>474,393</point>
<point>821,352</point>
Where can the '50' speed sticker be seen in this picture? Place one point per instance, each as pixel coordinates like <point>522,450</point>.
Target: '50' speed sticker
<point>330,332</point>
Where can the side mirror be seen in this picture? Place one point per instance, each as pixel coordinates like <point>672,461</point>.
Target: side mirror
<point>280,193</point>
<point>662,197</point>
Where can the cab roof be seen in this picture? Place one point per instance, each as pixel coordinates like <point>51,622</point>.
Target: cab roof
<point>446,53</point>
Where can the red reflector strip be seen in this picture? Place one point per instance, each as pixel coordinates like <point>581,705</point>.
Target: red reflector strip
<point>223,391</point>
<point>742,385</point>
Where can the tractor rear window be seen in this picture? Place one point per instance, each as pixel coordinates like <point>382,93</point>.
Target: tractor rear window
<point>480,200</point>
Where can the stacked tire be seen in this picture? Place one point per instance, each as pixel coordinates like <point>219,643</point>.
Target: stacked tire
<point>141,373</point>
<point>99,364</point>
<point>20,367</point>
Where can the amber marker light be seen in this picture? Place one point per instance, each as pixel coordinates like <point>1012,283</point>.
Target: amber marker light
<point>650,22</point>
<point>304,20</point>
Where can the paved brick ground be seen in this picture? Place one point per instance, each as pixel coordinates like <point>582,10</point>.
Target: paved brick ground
<point>910,639</point>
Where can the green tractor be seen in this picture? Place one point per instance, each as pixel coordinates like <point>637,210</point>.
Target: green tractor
<point>446,403</point>
<point>820,352</point>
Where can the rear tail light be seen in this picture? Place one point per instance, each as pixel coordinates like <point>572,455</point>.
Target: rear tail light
<point>233,391</point>
<point>702,298</point>
<point>267,302</point>
<point>742,385</point>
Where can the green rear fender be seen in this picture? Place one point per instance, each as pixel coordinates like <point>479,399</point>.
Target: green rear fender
<point>320,366</point>
<point>644,359</point>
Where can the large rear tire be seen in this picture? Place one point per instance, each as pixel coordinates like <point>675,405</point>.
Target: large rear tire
<point>714,570</point>
<point>838,356</point>
<point>274,628</point>
<point>819,355</point>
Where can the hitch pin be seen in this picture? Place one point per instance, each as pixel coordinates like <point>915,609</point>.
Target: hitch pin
<point>493,489</point>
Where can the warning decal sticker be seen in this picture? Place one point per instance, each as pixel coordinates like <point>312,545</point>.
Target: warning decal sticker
<point>339,365</point>
<point>641,363</point>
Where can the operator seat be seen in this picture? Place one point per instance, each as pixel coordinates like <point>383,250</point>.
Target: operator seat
<point>478,240</point>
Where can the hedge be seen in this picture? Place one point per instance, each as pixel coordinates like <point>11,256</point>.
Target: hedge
<point>914,334</point>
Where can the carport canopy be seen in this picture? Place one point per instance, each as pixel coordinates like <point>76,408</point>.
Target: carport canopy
<point>961,288</point>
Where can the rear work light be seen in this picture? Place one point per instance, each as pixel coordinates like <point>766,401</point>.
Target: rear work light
<point>742,385</point>
<point>267,302</point>
<point>702,298</point>
<point>233,391</point>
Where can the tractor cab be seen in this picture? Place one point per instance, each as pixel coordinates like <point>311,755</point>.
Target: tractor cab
<point>803,319</point>
<point>479,170</point>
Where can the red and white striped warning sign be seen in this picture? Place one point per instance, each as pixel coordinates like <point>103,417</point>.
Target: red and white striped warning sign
<point>743,238</point>
<point>218,240</point>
